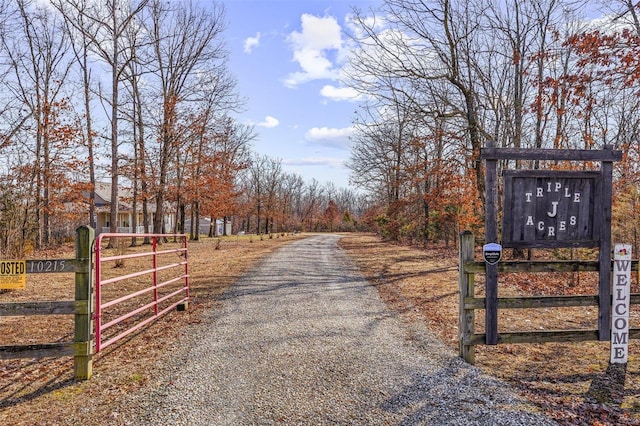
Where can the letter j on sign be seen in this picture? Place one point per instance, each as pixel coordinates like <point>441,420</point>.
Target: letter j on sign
<point>620,303</point>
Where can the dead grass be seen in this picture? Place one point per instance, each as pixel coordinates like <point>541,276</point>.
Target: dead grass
<point>43,391</point>
<point>567,381</point>
<point>570,382</point>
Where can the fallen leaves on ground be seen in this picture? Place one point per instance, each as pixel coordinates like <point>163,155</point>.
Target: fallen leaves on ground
<point>569,382</point>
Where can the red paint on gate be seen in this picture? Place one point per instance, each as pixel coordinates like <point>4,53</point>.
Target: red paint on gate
<point>177,295</point>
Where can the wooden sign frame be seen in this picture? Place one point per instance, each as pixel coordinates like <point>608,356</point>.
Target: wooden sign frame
<point>491,155</point>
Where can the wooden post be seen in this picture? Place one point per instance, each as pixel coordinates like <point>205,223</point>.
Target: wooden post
<point>83,357</point>
<point>466,323</point>
<point>604,288</point>
<point>491,236</point>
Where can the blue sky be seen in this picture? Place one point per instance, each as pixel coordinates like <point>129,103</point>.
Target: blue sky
<point>287,56</point>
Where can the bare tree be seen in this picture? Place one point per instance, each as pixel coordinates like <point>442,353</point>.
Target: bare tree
<point>264,174</point>
<point>474,74</point>
<point>37,56</point>
<point>80,44</point>
<point>139,178</point>
<point>292,189</point>
<point>218,146</point>
<point>186,37</point>
<point>233,148</point>
<point>105,25</point>
<point>310,205</point>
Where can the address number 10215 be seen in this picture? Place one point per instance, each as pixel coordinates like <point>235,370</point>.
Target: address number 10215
<point>43,266</point>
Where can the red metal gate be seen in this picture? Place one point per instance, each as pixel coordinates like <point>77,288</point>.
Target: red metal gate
<point>132,294</point>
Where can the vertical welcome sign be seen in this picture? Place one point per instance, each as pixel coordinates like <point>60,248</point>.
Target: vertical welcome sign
<point>621,301</point>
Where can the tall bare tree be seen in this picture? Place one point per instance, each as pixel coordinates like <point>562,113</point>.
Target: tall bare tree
<point>186,38</point>
<point>105,24</point>
<point>37,56</point>
<point>80,44</point>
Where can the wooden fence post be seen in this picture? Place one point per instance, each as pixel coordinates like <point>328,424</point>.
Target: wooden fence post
<point>83,357</point>
<point>604,257</point>
<point>466,321</point>
<point>491,236</point>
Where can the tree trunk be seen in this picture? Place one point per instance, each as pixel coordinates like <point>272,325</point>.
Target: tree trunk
<point>115,195</point>
<point>195,214</point>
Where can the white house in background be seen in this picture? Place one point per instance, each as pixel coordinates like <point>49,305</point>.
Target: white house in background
<point>102,202</point>
<point>205,224</point>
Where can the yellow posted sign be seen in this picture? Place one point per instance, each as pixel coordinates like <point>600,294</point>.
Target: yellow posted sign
<point>13,274</point>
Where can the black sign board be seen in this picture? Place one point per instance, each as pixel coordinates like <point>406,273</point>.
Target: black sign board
<point>548,208</point>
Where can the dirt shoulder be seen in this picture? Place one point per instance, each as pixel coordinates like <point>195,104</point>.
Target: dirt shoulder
<point>570,382</point>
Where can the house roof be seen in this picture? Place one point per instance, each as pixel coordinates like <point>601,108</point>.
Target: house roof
<point>103,190</point>
<point>102,198</point>
<point>102,194</point>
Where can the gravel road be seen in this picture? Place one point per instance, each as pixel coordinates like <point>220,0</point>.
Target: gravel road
<point>304,339</point>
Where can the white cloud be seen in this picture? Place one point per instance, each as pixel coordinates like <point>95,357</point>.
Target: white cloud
<point>323,133</point>
<point>330,137</point>
<point>251,42</point>
<point>377,23</point>
<point>311,47</point>
<point>331,162</point>
<point>340,93</point>
<point>269,122</point>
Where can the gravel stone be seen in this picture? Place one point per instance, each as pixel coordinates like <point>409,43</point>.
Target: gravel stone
<point>304,339</point>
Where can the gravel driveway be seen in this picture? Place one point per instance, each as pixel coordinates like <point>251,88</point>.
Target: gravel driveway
<point>304,339</point>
